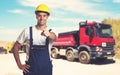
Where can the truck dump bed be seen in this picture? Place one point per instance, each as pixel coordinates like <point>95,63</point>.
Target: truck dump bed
<point>66,39</point>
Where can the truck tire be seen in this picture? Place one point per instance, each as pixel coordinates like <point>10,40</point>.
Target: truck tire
<point>84,57</point>
<point>54,53</point>
<point>70,55</point>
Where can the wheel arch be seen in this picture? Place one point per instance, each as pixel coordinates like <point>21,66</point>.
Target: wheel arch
<point>54,48</point>
<point>70,48</point>
<point>84,48</point>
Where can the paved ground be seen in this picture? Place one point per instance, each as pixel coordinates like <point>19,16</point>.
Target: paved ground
<point>63,67</point>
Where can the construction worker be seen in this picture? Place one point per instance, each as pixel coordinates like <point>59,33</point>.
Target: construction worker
<point>38,38</point>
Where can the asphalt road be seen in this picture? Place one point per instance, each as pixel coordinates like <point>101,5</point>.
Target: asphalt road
<point>63,67</point>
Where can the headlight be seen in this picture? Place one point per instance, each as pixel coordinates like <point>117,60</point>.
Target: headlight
<point>103,44</point>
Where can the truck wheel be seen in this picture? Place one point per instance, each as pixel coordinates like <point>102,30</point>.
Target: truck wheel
<point>70,55</point>
<point>84,57</point>
<point>54,53</point>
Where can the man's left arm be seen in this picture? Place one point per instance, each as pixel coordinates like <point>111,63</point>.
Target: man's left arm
<point>52,36</point>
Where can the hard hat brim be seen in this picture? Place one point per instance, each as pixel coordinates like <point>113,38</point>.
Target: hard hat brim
<point>42,11</point>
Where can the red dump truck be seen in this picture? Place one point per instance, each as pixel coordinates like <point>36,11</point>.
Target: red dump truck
<point>91,41</point>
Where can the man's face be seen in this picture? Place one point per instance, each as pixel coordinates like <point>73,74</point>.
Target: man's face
<point>41,18</point>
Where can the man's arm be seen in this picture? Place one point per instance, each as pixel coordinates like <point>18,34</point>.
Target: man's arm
<point>16,47</point>
<point>52,36</point>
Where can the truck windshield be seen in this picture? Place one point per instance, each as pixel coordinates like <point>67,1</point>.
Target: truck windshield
<point>103,30</point>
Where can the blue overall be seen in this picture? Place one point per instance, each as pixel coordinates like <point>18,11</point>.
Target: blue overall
<point>39,59</point>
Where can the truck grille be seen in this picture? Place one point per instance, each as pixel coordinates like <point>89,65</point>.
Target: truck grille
<point>110,46</point>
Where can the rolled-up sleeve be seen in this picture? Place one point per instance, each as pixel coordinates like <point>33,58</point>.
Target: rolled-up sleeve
<point>22,37</point>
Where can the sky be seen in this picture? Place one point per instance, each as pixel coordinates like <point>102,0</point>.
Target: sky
<point>65,15</point>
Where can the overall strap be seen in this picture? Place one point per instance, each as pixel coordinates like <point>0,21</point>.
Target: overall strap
<point>47,39</point>
<point>31,39</point>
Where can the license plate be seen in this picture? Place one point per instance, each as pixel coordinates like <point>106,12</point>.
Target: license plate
<point>108,52</point>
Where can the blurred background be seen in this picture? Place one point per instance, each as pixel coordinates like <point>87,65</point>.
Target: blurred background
<point>16,15</point>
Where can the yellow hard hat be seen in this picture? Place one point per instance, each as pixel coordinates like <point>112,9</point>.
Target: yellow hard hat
<point>43,7</point>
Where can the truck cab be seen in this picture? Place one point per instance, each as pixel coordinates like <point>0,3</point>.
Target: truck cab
<point>92,41</point>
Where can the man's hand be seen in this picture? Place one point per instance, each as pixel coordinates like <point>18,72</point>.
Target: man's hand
<point>25,68</point>
<point>45,33</point>
<point>49,34</point>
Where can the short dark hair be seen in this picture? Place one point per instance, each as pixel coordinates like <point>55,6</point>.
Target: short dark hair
<point>43,12</point>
